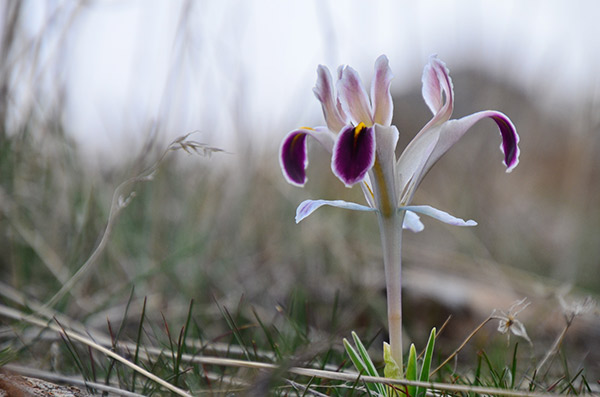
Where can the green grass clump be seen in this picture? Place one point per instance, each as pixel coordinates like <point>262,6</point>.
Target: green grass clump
<point>210,296</point>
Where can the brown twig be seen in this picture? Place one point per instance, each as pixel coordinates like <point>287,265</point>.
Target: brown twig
<point>461,346</point>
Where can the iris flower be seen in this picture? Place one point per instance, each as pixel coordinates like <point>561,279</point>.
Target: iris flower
<point>362,142</point>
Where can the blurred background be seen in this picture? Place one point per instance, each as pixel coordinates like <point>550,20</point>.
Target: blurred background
<point>91,92</point>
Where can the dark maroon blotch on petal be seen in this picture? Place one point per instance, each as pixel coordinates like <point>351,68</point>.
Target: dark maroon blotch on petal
<point>510,140</point>
<point>293,157</point>
<point>354,153</point>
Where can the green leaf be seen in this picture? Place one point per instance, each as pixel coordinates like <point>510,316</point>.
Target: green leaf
<point>354,357</point>
<point>391,369</point>
<point>411,369</point>
<point>360,365</point>
<point>496,378</point>
<point>363,363</point>
<point>369,366</point>
<point>477,380</point>
<point>513,368</point>
<point>424,377</point>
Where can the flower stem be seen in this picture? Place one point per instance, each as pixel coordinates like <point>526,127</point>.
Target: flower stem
<point>390,226</point>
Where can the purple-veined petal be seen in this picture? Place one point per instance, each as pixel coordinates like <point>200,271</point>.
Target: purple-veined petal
<point>381,97</point>
<point>438,91</point>
<point>439,215</point>
<point>415,160</point>
<point>453,130</point>
<point>510,138</point>
<point>293,158</point>
<point>353,153</point>
<point>334,115</point>
<point>432,143</point>
<point>412,222</point>
<point>353,97</point>
<point>307,207</point>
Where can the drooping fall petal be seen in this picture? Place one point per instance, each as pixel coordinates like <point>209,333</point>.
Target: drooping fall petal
<point>381,97</point>
<point>353,153</point>
<point>293,158</point>
<point>451,131</point>
<point>510,138</point>
<point>433,142</point>
<point>414,162</point>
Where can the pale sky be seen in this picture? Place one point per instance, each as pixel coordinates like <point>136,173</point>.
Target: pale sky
<point>221,66</point>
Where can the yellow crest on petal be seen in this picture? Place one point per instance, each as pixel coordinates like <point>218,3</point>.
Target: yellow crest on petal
<point>358,129</point>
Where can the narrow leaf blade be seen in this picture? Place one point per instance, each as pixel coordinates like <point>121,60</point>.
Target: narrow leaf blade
<point>411,369</point>
<point>424,377</point>
<point>369,366</point>
<point>358,363</point>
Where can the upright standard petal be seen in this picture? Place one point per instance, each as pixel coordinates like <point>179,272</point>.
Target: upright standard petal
<point>381,97</point>
<point>293,158</point>
<point>354,98</point>
<point>307,207</point>
<point>431,89</point>
<point>353,153</point>
<point>334,115</point>
<point>438,91</point>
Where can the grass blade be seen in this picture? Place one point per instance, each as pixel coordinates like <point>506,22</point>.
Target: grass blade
<point>513,367</point>
<point>269,336</point>
<point>356,360</point>
<point>424,376</point>
<point>181,343</point>
<point>234,329</point>
<point>369,366</point>
<point>138,343</point>
<point>411,369</point>
<point>361,366</point>
<point>496,378</point>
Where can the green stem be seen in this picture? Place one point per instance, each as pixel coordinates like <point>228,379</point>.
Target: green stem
<point>390,226</point>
